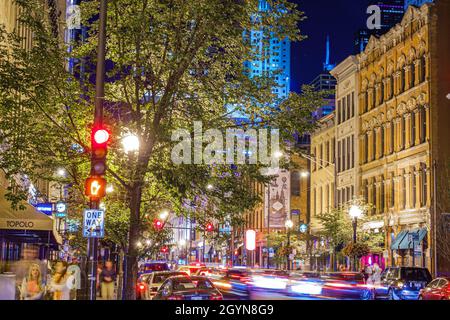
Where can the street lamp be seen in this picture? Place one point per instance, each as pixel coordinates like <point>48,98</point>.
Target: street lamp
<point>164,214</point>
<point>355,213</point>
<point>288,224</point>
<point>130,143</point>
<point>278,154</point>
<point>61,172</point>
<point>304,174</point>
<point>209,187</point>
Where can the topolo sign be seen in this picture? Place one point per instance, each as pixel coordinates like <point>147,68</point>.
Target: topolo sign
<point>94,224</point>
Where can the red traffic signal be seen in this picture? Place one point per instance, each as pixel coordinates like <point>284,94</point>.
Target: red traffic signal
<point>158,224</point>
<point>164,249</point>
<point>209,227</point>
<point>95,187</point>
<point>99,141</point>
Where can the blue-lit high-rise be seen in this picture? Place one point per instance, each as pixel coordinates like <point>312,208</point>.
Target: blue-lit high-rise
<point>277,58</point>
<point>416,3</point>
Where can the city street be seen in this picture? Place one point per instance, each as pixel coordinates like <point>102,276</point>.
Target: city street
<point>224,150</point>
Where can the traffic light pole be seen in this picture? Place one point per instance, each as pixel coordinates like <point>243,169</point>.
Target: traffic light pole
<point>98,121</point>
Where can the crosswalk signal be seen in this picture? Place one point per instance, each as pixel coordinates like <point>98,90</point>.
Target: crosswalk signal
<point>95,188</point>
<point>99,141</point>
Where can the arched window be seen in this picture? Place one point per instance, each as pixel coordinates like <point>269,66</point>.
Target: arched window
<point>414,188</point>
<point>382,195</point>
<point>392,204</point>
<point>423,68</point>
<point>413,128</point>
<point>412,75</point>
<point>424,186</point>
<point>423,125</point>
<point>402,80</point>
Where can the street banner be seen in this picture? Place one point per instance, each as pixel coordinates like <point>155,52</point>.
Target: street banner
<point>277,200</point>
<point>94,224</point>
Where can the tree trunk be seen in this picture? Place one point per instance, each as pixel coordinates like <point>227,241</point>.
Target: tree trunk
<point>133,238</point>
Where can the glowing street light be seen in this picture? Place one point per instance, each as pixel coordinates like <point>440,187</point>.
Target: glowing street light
<point>209,187</point>
<point>304,174</point>
<point>278,154</point>
<point>109,189</point>
<point>164,214</point>
<point>130,143</point>
<point>289,224</point>
<point>61,172</point>
<point>355,213</point>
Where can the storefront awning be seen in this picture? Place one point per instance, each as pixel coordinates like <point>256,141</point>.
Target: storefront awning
<point>28,219</point>
<point>408,242</point>
<point>395,244</point>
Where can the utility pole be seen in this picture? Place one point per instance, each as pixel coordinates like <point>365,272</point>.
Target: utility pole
<point>92,246</point>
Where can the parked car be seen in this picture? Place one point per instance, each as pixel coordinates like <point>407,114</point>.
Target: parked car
<point>438,289</point>
<point>402,283</point>
<point>187,288</point>
<point>195,270</point>
<point>150,283</point>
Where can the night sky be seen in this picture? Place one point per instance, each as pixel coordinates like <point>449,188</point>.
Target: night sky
<point>338,18</point>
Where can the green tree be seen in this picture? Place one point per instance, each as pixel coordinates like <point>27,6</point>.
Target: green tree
<point>170,63</point>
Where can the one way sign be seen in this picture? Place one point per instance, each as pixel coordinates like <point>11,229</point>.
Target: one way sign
<point>94,224</point>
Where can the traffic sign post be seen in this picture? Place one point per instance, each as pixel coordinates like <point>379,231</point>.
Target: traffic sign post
<point>94,224</point>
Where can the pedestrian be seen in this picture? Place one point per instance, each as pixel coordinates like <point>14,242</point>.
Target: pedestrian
<point>75,270</point>
<point>61,282</point>
<point>32,287</point>
<point>107,281</point>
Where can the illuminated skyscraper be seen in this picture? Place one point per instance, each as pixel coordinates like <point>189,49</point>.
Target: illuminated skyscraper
<point>278,58</point>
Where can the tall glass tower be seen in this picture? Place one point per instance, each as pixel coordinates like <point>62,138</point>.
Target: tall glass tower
<point>272,57</point>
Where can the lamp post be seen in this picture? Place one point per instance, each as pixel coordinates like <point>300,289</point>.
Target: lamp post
<point>355,212</point>
<point>288,224</point>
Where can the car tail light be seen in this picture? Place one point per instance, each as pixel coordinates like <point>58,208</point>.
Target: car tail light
<point>141,287</point>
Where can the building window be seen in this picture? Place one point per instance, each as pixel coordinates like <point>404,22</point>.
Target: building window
<point>382,142</point>
<point>339,157</point>
<point>374,144</point>
<point>413,76</point>
<point>353,151</point>
<point>403,128</point>
<point>414,188</point>
<point>424,186</point>
<point>348,153</point>
<point>295,183</point>
<point>391,87</point>
<point>423,125</point>
<point>403,191</point>
<point>413,129</point>
<point>366,148</point>
<point>353,104</point>
<point>339,112</point>
<point>392,141</point>
<point>374,197</point>
<point>402,79</point>
<point>423,69</point>
<point>381,93</point>
<point>313,163</point>
<point>349,112</point>
<point>382,196</point>
<point>392,198</point>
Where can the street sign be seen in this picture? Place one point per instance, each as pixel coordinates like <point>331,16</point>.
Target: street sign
<point>303,228</point>
<point>94,224</point>
<point>61,209</point>
<point>45,208</point>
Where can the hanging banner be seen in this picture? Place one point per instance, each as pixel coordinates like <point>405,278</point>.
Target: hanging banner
<point>277,200</point>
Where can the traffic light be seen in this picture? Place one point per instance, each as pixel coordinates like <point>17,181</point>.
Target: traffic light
<point>209,227</point>
<point>99,142</point>
<point>95,188</point>
<point>164,249</point>
<point>158,224</point>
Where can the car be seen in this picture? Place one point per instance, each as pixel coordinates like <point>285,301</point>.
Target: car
<point>195,269</point>
<point>304,284</point>
<point>234,282</point>
<point>344,285</point>
<point>153,266</point>
<point>402,283</point>
<point>188,288</point>
<point>150,283</point>
<point>438,289</point>
<point>269,280</point>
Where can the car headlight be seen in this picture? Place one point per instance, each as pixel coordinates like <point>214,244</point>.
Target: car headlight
<point>400,285</point>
